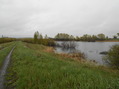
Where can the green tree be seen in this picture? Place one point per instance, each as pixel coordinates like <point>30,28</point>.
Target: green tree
<point>46,37</point>
<point>107,37</point>
<point>40,39</point>
<point>77,38</point>
<point>115,37</point>
<point>113,56</point>
<point>40,36</point>
<point>71,37</point>
<point>117,34</point>
<point>36,35</point>
<point>63,36</point>
<point>101,36</point>
<point>86,37</point>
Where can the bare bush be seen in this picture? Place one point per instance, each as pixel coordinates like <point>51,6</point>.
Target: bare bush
<point>68,44</point>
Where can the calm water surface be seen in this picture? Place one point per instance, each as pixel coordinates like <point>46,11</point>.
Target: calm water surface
<point>90,49</point>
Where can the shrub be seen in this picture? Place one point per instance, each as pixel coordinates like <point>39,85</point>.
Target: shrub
<point>5,40</point>
<point>113,56</point>
<point>46,42</point>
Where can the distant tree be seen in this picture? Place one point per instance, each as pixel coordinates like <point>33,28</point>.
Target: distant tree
<point>71,37</point>
<point>77,38</point>
<point>114,37</point>
<point>46,37</point>
<point>101,36</point>
<point>63,36</point>
<point>2,36</point>
<point>117,34</point>
<point>107,37</point>
<point>94,38</point>
<point>36,36</point>
<point>57,36</point>
<point>40,36</point>
<point>87,37</point>
<point>40,39</point>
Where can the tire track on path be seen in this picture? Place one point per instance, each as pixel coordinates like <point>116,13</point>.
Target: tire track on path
<point>4,68</point>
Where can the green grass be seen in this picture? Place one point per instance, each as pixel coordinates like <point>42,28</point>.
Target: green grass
<point>2,46</point>
<point>33,68</point>
<point>4,50</point>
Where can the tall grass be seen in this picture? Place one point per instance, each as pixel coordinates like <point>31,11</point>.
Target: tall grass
<point>33,68</point>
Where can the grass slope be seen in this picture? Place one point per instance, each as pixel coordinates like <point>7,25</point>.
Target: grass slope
<point>33,68</point>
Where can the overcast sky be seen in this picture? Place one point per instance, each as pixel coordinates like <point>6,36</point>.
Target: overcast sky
<point>21,18</point>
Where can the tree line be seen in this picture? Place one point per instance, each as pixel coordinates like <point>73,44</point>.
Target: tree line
<point>64,36</point>
<point>45,40</point>
<point>85,37</point>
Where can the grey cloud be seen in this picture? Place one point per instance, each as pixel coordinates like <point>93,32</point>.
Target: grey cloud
<point>76,17</point>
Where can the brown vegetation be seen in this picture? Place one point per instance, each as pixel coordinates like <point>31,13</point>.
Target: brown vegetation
<point>49,49</point>
<point>5,40</point>
<point>75,56</point>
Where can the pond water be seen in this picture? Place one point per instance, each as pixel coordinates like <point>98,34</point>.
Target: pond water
<point>90,49</point>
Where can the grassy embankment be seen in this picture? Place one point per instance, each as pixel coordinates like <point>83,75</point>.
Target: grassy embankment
<point>4,50</point>
<point>33,68</point>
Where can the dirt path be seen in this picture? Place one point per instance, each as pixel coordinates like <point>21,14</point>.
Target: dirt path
<point>4,68</point>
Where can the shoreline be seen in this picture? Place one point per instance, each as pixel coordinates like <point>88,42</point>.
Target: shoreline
<point>108,41</point>
<point>92,41</point>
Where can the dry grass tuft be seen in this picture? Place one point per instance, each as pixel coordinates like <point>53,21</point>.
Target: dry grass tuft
<point>49,49</point>
<point>76,56</point>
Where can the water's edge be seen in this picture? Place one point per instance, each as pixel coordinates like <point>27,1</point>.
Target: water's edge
<point>92,50</point>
